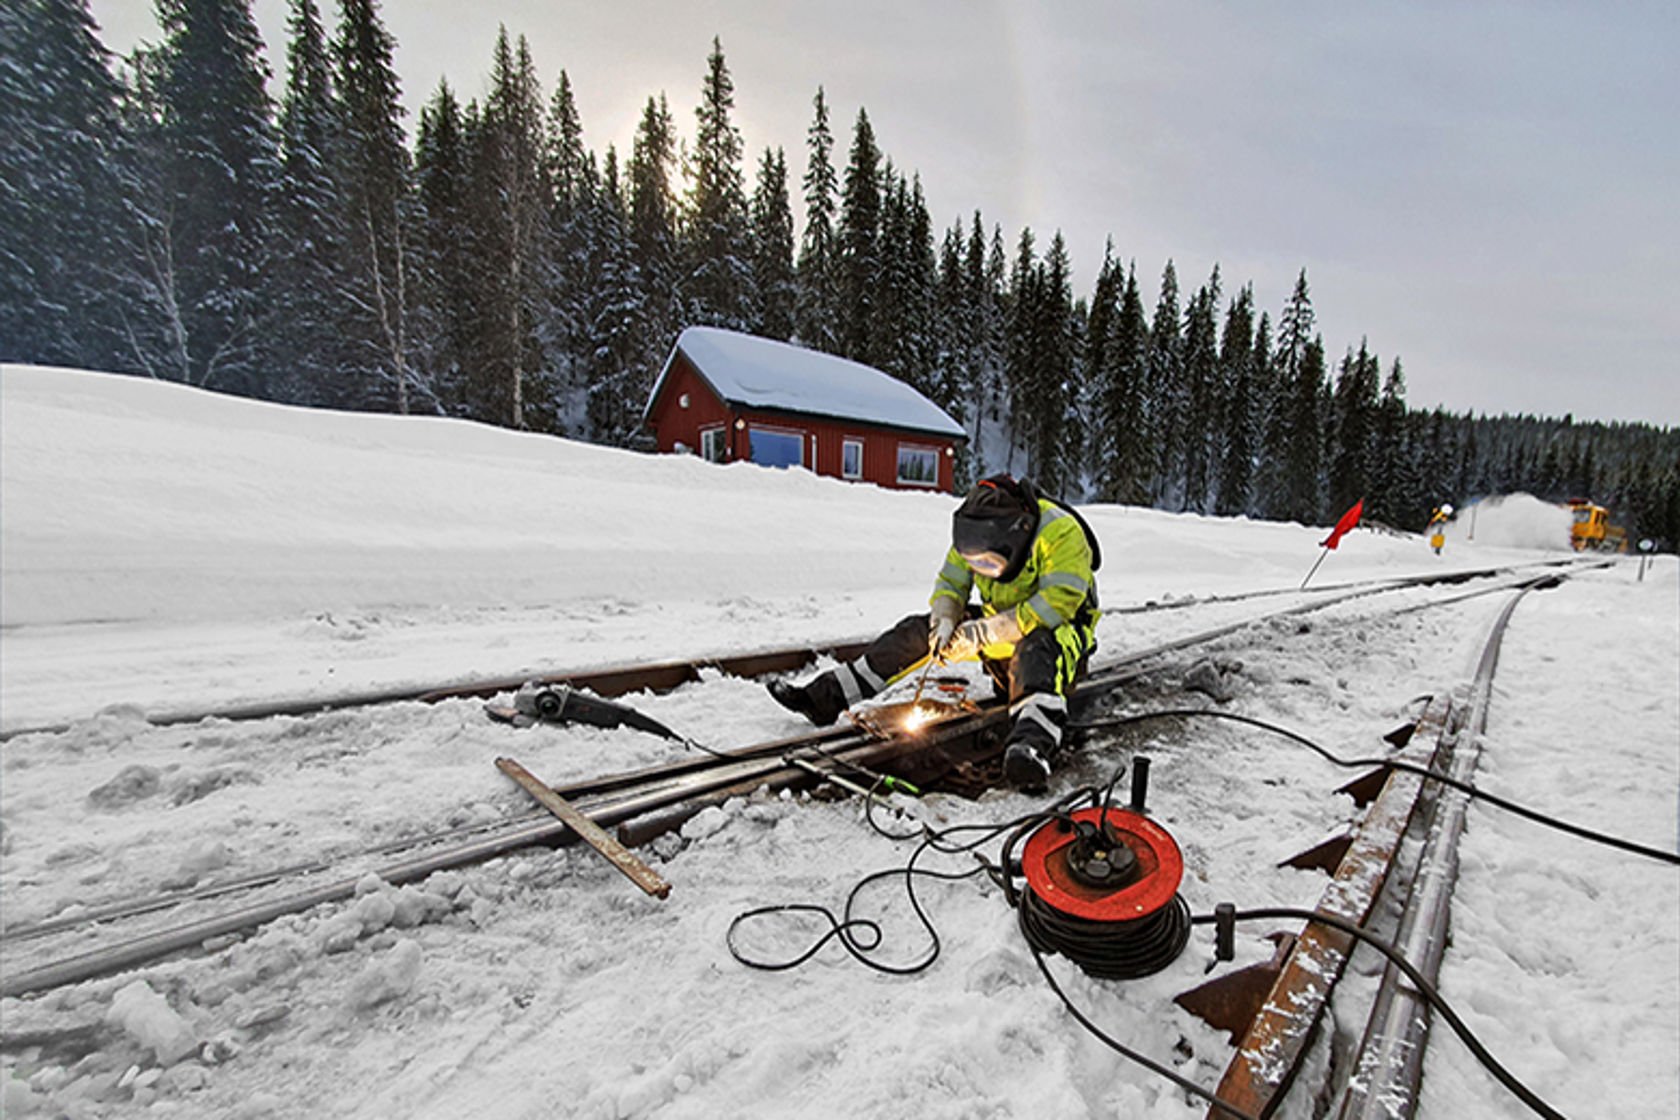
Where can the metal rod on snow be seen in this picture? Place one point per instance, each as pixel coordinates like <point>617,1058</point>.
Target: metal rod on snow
<point>591,833</point>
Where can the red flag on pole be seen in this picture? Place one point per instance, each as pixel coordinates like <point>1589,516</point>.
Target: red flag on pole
<point>1348,521</point>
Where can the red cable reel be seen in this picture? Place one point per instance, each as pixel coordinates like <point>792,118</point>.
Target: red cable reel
<point>1102,890</point>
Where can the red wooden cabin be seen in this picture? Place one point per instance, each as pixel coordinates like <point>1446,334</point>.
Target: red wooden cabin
<point>728,396</point>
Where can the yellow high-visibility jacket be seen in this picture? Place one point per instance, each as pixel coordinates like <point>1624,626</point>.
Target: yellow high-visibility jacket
<point>1049,590</point>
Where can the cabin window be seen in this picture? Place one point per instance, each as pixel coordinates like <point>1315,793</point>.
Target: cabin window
<point>851,458</point>
<point>771,448</point>
<point>918,466</point>
<point>714,444</point>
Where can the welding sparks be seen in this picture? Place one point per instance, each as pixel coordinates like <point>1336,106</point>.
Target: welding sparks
<point>916,717</point>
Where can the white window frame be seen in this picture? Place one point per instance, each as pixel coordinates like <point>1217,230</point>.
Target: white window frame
<point>718,436</point>
<point>918,450</point>
<point>792,433</point>
<point>846,445</point>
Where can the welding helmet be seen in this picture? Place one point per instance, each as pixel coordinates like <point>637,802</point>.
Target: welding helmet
<point>993,529</point>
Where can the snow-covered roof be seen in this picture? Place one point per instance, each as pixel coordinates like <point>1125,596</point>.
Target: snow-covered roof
<point>762,373</point>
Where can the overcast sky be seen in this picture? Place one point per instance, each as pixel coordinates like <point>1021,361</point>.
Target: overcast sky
<point>1488,191</point>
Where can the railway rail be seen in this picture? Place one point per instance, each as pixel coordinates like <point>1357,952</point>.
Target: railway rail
<point>1275,1010</point>
<point>641,804</point>
<point>617,680</point>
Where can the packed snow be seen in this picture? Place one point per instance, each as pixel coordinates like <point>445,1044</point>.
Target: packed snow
<point>168,551</point>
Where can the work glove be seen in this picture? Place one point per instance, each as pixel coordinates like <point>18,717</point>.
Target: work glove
<point>942,623</point>
<point>976,634</point>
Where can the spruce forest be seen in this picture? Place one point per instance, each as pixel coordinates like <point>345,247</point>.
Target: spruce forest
<point>164,215</point>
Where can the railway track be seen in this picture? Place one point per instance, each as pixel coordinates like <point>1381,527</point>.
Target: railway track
<point>1274,1011</point>
<point>640,804</point>
<point>617,680</point>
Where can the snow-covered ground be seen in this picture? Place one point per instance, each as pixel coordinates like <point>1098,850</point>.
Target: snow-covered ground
<point>166,550</point>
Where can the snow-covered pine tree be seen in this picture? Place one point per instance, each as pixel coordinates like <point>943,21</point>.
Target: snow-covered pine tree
<point>1021,320</point>
<point>953,330</point>
<point>373,192</point>
<point>618,326</point>
<point>1290,463</point>
<point>514,208</point>
<point>1353,428</point>
<point>1134,455</point>
<point>1464,480</point>
<point>1239,430</point>
<point>1078,434</point>
<point>923,273</point>
<point>774,284</point>
<point>1164,399</point>
<point>652,230</point>
<point>563,329</point>
<point>817,313</point>
<point>1058,431</point>
<point>309,330</point>
<point>1104,387</point>
<point>1202,396</point>
<point>1388,467</point>
<point>903,322</point>
<point>1305,465</point>
<point>716,241</point>
<point>60,188</point>
<point>984,267</point>
<point>859,241</point>
<point>209,216</point>
<point>444,253</point>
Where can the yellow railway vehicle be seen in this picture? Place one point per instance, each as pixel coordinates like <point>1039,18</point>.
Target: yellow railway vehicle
<point>1591,530</point>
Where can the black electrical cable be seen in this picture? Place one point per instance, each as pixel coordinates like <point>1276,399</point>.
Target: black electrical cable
<point>1127,1052</point>
<point>1108,950</point>
<point>1424,771</point>
<point>841,927</point>
<point>1504,1076</point>
<point>847,929</point>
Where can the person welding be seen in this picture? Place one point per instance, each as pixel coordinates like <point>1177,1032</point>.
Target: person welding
<point>1033,562</point>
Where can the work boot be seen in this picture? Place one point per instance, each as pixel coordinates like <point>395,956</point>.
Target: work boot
<point>797,699</point>
<point>1024,768</point>
<point>828,694</point>
<point>1035,740</point>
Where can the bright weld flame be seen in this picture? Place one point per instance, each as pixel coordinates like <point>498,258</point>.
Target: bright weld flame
<point>916,717</point>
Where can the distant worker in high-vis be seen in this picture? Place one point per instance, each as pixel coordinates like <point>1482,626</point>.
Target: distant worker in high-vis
<point>1032,561</point>
<point>1438,527</point>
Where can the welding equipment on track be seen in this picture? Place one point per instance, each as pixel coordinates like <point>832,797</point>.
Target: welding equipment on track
<point>1101,888</point>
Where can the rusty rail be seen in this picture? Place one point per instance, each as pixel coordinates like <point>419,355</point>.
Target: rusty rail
<point>1273,1035</point>
<point>1274,1042</point>
<point>1389,1068</point>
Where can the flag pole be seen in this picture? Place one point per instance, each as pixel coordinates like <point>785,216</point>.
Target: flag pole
<point>1347,521</point>
<point>1322,553</point>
